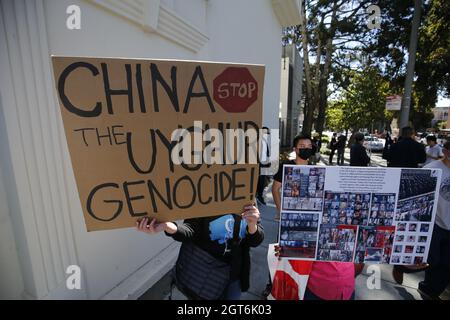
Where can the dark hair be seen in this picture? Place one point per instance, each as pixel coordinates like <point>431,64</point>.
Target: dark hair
<point>407,132</point>
<point>299,137</point>
<point>359,137</point>
<point>431,138</point>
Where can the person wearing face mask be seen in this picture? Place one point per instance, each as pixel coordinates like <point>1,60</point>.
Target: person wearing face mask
<point>437,276</point>
<point>303,148</point>
<point>327,280</point>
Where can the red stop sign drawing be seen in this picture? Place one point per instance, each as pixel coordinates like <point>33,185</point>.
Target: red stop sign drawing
<point>235,89</point>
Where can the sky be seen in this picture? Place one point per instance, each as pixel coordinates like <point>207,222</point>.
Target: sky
<point>443,102</point>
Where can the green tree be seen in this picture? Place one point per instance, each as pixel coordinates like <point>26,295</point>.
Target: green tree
<point>362,103</point>
<point>328,27</point>
<point>389,49</point>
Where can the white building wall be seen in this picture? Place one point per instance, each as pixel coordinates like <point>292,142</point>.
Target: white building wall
<point>11,283</point>
<point>41,222</point>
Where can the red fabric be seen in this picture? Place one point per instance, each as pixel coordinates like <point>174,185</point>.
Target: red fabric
<point>301,266</point>
<point>284,287</point>
<point>332,280</point>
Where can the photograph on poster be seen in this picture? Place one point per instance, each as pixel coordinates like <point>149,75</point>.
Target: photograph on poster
<point>298,234</point>
<point>409,249</point>
<point>373,255</point>
<point>407,260</point>
<point>303,188</point>
<point>424,227</point>
<point>420,249</point>
<point>418,260</point>
<point>418,208</point>
<point>401,226</point>
<point>382,209</point>
<point>416,182</point>
<point>346,208</point>
<point>355,222</point>
<point>336,243</point>
<point>379,238</point>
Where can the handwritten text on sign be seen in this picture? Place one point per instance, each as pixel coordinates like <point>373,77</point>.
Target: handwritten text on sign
<point>119,115</point>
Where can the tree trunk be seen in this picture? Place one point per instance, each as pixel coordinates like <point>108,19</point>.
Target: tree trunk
<point>320,122</point>
<point>309,109</point>
<point>323,83</point>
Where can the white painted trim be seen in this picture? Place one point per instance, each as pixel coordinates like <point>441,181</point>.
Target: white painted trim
<point>42,219</point>
<point>175,28</point>
<point>287,12</point>
<point>153,16</point>
<point>145,277</point>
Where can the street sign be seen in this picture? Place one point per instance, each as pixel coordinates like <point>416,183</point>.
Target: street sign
<point>393,103</point>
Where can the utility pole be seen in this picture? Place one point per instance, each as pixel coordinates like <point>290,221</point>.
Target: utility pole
<point>406,100</point>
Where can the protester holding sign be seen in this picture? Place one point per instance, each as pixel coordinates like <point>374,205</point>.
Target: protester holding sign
<point>437,276</point>
<point>129,125</point>
<point>327,280</point>
<point>225,241</point>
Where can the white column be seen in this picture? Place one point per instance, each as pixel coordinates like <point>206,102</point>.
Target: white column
<point>35,139</point>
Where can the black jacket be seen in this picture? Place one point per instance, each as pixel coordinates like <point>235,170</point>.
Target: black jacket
<point>340,144</point>
<point>213,234</point>
<point>358,156</point>
<point>406,153</point>
<point>333,143</point>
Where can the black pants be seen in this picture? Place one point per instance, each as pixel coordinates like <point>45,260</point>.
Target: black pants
<point>437,276</point>
<point>340,157</point>
<point>330,159</point>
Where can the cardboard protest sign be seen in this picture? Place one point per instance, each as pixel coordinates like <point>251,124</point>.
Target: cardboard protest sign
<point>356,214</point>
<point>126,122</point>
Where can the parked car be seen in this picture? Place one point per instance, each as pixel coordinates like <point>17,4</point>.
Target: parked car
<point>373,144</point>
<point>443,135</point>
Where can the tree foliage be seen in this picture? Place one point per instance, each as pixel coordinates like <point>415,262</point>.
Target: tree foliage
<point>362,103</point>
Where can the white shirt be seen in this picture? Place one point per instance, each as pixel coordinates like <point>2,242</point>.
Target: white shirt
<point>443,205</point>
<point>435,151</point>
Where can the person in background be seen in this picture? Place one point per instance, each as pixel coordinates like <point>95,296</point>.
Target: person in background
<point>387,145</point>
<point>437,276</point>
<point>407,152</point>
<point>332,147</point>
<point>433,150</point>
<point>340,146</point>
<point>358,154</point>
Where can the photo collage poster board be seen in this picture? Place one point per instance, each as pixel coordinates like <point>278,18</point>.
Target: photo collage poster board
<point>358,214</point>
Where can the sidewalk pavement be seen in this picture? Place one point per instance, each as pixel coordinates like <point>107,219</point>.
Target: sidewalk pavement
<point>259,275</point>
